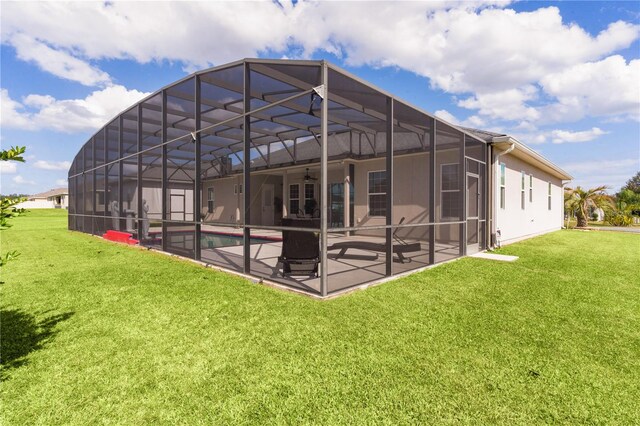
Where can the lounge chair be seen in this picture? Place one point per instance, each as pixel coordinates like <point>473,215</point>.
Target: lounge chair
<point>399,247</point>
<point>300,250</point>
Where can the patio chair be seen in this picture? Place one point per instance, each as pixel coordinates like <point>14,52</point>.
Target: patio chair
<point>399,246</point>
<point>300,250</point>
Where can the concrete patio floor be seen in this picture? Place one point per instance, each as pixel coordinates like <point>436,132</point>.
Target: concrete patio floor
<point>356,267</point>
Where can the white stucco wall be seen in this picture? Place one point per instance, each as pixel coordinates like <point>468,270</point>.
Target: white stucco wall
<point>410,196</point>
<point>229,202</point>
<point>43,203</point>
<point>516,223</point>
<point>40,203</point>
<point>64,202</point>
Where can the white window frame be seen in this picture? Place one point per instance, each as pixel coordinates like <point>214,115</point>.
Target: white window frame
<point>374,193</point>
<point>522,190</point>
<point>211,199</point>
<point>442,191</point>
<point>291,210</point>
<point>530,188</point>
<point>502,180</point>
<point>549,196</point>
<point>304,195</point>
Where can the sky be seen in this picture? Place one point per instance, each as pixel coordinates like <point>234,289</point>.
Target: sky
<point>561,77</point>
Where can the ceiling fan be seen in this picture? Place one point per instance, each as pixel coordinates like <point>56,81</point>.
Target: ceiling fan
<point>308,177</point>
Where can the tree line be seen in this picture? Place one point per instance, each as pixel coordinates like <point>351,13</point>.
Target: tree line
<point>620,209</point>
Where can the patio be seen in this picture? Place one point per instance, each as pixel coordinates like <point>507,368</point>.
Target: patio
<point>355,268</point>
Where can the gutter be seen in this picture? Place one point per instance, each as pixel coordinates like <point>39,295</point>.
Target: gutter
<point>530,153</point>
<point>511,142</point>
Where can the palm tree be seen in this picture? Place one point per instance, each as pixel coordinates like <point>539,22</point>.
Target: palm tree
<point>579,200</point>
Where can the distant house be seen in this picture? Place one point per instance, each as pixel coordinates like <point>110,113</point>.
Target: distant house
<point>53,199</point>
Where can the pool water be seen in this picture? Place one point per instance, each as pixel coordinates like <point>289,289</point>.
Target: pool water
<point>214,240</point>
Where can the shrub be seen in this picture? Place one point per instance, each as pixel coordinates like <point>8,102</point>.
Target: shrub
<point>618,218</point>
<point>8,208</point>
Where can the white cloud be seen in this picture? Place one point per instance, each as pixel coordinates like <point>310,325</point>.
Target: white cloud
<point>52,165</point>
<point>461,46</point>
<point>507,104</point>
<point>66,115</point>
<point>12,113</point>
<point>22,181</point>
<point>601,166</point>
<point>605,88</point>
<point>473,121</point>
<point>8,167</point>
<point>496,57</point>
<point>565,136</point>
<point>57,62</point>
<point>62,182</point>
<point>447,116</point>
<point>534,136</point>
<point>201,33</point>
<point>610,172</point>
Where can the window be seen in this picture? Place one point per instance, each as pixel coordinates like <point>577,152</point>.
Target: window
<point>531,188</point>
<point>294,199</point>
<point>235,188</point>
<point>99,198</point>
<point>450,190</point>
<point>211,198</point>
<point>378,193</point>
<point>309,194</point>
<point>549,196</point>
<point>522,183</point>
<point>503,177</point>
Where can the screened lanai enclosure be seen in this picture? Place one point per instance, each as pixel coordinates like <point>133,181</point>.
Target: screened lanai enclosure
<point>294,172</point>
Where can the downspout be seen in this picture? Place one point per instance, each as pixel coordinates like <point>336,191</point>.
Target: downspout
<point>494,204</point>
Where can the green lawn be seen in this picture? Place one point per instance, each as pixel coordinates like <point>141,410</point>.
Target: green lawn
<point>99,333</point>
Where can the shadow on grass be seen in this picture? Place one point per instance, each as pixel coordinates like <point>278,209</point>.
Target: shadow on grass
<point>21,334</point>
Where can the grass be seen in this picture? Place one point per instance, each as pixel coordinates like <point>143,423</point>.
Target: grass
<point>99,333</point>
<point>573,223</point>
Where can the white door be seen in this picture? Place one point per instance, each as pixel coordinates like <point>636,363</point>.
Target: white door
<point>177,205</point>
<point>473,210</point>
<point>267,204</point>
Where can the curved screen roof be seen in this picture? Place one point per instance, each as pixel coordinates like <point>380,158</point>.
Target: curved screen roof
<point>284,107</point>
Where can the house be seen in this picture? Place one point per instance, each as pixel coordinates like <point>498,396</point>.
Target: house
<point>53,199</point>
<point>528,190</point>
<point>386,187</point>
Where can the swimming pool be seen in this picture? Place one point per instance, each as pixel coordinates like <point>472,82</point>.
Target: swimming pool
<point>208,239</point>
<point>217,239</point>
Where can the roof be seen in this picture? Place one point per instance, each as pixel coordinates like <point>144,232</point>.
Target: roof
<point>503,141</point>
<point>51,193</point>
<point>485,135</point>
<point>284,103</point>
<point>529,156</point>
<point>284,99</point>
